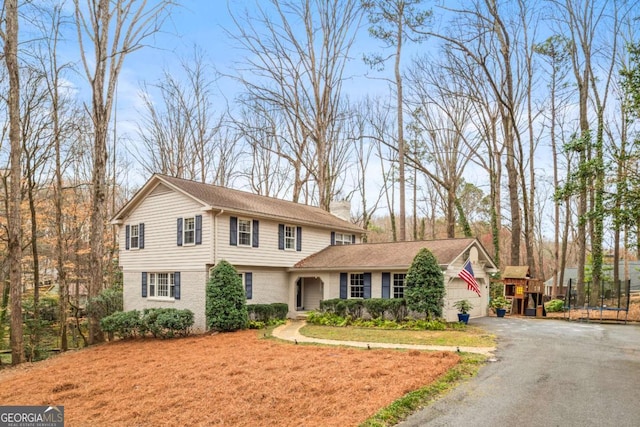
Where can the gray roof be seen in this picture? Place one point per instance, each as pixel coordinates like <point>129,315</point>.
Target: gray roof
<point>241,202</point>
<point>634,274</point>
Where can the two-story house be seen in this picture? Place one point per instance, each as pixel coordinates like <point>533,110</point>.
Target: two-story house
<point>173,231</point>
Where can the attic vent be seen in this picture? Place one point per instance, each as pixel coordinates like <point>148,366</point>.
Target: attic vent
<point>160,190</point>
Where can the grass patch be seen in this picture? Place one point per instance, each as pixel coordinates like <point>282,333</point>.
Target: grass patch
<point>470,337</point>
<point>411,402</point>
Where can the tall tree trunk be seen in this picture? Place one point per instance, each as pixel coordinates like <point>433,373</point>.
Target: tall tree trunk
<point>402,235</point>
<point>14,229</point>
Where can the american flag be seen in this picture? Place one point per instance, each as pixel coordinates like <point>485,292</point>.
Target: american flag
<point>466,274</point>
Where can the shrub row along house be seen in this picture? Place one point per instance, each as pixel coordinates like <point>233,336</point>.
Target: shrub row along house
<point>173,231</point>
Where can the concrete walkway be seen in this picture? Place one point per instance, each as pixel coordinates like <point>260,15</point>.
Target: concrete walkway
<point>291,332</point>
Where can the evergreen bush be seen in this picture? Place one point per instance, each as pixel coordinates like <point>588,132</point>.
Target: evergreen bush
<point>226,307</point>
<point>425,285</point>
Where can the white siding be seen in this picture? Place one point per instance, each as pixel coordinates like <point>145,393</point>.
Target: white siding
<point>268,254</point>
<point>159,213</point>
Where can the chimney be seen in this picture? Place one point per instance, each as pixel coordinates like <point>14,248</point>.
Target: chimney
<point>341,209</point>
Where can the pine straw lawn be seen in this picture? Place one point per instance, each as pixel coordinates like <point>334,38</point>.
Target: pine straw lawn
<point>233,379</point>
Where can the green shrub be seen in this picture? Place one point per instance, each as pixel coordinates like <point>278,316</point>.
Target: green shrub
<point>554,306</point>
<point>280,310</point>
<point>107,302</point>
<point>327,319</point>
<point>376,307</point>
<point>354,307</point>
<point>260,312</point>
<point>398,309</point>
<point>123,324</point>
<point>425,285</point>
<point>226,305</point>
<point>166,322</point>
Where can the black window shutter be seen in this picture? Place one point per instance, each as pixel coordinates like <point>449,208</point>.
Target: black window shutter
<point>144,284</point>
<point>179,231</point>
<point>233,231</point>
<point>198,229</point>
<point>248,284</point>
<point>367,285</point>
<point>298,239</point>
<point>127,236</point>
<point>281,236</point>
<point>333,238</point>
<point>343,285</point>
<point>386,285</point>
<point>141,236</point>
<point>176,285</point>
<point>256,235</point>
<point>353,239</point>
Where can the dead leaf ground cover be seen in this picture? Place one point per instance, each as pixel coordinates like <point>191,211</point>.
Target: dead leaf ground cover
<point>233,379</point>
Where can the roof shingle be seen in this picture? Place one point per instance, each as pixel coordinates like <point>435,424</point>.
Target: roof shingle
<point>242,202</point>
<point>384,255</point>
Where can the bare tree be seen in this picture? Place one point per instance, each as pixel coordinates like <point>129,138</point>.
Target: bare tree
<point>396,22</point>
<point>112,29</point>
<point>301,73</point>
<point>440,116</point>
<point>180,132</point>
<point>9,35</point>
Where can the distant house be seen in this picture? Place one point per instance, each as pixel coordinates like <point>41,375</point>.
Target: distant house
<point>571,274</point>
<point>173,231</point>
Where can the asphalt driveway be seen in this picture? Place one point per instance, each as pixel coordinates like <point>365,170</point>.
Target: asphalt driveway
<point>548,373</point>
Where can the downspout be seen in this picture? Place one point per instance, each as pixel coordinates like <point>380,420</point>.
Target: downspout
<point>215,236</point>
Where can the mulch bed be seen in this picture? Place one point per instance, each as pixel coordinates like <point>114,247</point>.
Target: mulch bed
<point>233,379</point>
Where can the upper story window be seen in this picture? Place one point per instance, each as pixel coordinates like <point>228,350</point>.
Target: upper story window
<point>134,236</point>
<point>134,240</point>
<point>290,237</point>
<point>190,230</point>
<point>343,239</point>
<point>244,232</point>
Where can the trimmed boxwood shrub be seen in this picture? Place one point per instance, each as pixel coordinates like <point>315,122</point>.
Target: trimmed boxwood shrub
<point>122,324</point>
<point>280,310</point>
<point>167,322</point>
<point>159,322</point>
<point>425,285</point>
<point>377,308</point>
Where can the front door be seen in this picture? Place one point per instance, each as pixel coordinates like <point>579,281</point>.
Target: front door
<point>299,295</point>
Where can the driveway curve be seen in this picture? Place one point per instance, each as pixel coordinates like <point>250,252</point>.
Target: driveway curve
<point>547,373</point>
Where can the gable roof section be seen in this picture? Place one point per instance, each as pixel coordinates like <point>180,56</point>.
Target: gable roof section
<point>241,203</point>
<point>516,272</point>
<point>395,255</point>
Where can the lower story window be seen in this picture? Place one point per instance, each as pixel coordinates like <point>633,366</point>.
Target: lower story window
<point>161,285</point>
<point>398,285</point>
<point>357,285</point>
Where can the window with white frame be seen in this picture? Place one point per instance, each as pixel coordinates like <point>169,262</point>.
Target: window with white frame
<point>398,285</point>
<point>244,232</point>
<point>343,239</point>
<point>189,233</point>
<point>134,236</point>
<point>357,285</point>
<point>161,285</point>
<point>290,237</point>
